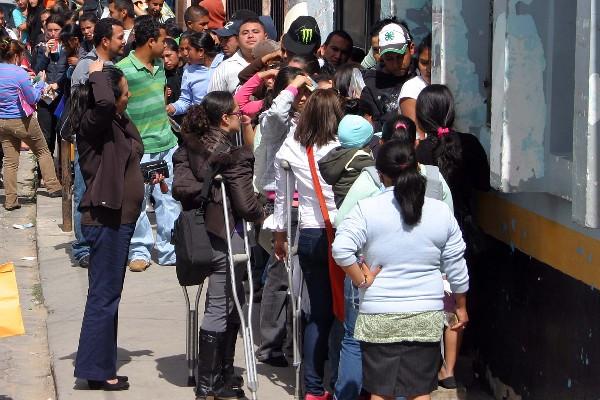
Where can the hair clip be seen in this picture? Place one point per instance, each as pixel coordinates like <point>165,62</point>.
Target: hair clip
<point>400,125</point>
<point>443,131</point>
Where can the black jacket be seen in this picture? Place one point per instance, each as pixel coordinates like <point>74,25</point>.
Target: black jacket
<point>236,167</point>
<point>110,149</point>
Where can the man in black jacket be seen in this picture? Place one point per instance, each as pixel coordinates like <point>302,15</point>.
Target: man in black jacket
<point>383,84</point>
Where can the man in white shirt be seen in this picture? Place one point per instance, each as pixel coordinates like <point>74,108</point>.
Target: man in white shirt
<point>225,77</point>
<point>123,10</point>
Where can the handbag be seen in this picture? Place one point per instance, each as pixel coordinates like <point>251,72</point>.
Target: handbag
<point>11,320</point>
<point>336,274</point>
<point>193,250</point>
<point>25,106</point>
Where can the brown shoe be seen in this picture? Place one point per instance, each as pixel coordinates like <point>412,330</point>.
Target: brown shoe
<point>138,265</point>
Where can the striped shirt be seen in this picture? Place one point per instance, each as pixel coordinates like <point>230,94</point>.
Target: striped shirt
<point>12,79</point>
<point>146,107</point>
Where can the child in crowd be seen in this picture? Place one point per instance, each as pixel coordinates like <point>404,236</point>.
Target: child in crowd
<point>341,166</point>
<point>203,58</point>
<point>196,18</point>
<point>19,15</point>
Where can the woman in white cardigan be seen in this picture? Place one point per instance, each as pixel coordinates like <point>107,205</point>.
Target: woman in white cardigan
<point>410,240</point>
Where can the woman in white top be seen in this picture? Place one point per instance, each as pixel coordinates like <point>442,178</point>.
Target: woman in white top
<point>411,89</point>
<point>316,130</point>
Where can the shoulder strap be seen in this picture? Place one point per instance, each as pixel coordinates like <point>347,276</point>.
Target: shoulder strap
<point>372,171</point>
<point>208,175</point>
<point>336,275</point>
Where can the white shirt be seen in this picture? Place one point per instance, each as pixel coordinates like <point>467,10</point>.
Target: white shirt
<point>412,88</point>
<point>310,213</point>
<point>126,33</point>
<point>225,77</point>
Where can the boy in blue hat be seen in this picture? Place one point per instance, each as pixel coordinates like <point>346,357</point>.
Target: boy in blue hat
<point>342,165</point>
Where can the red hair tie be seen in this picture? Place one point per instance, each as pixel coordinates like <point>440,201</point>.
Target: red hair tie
<point>441,132</point>
<point>400,125</point>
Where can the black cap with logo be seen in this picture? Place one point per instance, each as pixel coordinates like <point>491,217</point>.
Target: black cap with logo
<point>303,37</point>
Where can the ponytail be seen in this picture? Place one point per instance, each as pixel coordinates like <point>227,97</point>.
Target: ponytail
<point>397,160</point>
<point>435,115</point>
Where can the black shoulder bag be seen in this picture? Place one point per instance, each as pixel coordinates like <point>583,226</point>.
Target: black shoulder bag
<point>193,249</point>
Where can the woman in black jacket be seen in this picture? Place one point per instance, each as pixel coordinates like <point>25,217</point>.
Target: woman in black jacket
<point>464,164</point>
<point>207,132</point>
<point>110,149</point>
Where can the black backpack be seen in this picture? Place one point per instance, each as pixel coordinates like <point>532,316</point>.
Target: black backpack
<point>193,250</point>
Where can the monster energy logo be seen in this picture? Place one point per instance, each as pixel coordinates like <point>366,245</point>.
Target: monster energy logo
<point>306,35</point>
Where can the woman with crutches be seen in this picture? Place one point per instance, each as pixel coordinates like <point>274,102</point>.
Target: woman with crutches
<point>314,137</point>
<point>208,131</point>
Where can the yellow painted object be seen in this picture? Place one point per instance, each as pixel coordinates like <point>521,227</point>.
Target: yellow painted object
<point>11,320</point>
<point>567,250</point>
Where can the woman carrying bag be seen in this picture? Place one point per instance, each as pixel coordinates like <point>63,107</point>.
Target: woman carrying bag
<point>207,131</point>
<point>314,137</point>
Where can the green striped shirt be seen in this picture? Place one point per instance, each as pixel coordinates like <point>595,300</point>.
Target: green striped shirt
<point>146,107</point>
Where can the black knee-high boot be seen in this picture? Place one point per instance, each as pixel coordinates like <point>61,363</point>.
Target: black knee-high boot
<point>236,382</point>
<point>210,364</point>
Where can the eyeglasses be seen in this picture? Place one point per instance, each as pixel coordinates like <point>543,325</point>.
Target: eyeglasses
<point>237,114</point>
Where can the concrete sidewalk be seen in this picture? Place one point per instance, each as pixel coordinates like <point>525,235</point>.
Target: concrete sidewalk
<point>151,325</point>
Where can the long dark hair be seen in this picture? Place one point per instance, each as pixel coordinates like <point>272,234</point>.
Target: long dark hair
<point>435,116</point>
<point>320,118</point>
<point>342,78</point>
<point>283,79</point>
<point>398,161</point>
<point>68,32</point>
<point>399,128</point>
<point>203,41</point>
<point>82,97</point>
<point>202,119</point>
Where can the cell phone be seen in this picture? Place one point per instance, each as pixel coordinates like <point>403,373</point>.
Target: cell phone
<point>313,84</point>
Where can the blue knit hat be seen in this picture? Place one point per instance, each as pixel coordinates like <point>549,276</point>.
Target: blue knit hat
<point>354,132</point>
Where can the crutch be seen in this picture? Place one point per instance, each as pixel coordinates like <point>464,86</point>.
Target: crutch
<point>295,301</point>
<point>245,320</point>
<point>191,334</point>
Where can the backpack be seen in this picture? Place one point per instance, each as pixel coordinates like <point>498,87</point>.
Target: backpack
<point>193,250</point>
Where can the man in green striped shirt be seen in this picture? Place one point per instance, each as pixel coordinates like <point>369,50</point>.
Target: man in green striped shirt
<point>145,75</point>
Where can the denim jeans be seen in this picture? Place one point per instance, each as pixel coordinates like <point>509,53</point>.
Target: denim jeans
<point>80,248</point>
<point>349,382</point>
<point>166,210</point>
<point>97,352</point>
<point>313,257</point>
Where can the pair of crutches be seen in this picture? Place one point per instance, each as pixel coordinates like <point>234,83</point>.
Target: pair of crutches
<point>245,319</point>
<point>295,298</point>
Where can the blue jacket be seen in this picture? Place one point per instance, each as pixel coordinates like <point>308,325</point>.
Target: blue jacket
<point>194,84</point>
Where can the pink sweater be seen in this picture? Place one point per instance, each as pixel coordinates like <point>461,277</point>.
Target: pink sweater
<point>242,96</point>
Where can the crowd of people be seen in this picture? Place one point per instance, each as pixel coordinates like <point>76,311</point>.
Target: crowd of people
<point>383,182</point>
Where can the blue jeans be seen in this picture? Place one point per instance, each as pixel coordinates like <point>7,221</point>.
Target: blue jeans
<point>80,248</point>
<point>313,257</point>
<point>166,209</point>
<point>349,382</point>
<point>97,352</point>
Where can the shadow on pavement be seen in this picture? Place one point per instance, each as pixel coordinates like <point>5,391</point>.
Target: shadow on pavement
<point>173,369</point>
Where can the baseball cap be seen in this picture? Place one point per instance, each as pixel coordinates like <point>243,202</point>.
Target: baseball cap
<point>303,37</point>
<point>231,28</point>
<point>393,38</point>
